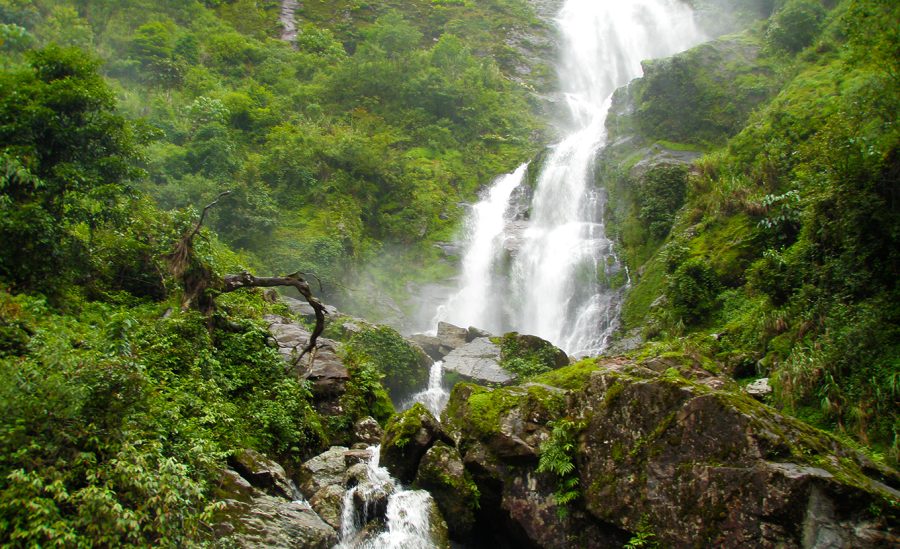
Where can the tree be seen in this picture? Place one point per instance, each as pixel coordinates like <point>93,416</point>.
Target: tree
<point>66,159</point>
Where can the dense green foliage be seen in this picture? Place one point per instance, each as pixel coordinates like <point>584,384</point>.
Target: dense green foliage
<point>528,356</point>
<point>118,121</point>
<point>786,247</point>
<point>116,418</point>
<point>366,134</point>
<point>403,369</point>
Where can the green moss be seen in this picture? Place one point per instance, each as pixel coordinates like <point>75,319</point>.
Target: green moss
<point>528,356</point>
<point>404,426</point>
<point>570,377</point>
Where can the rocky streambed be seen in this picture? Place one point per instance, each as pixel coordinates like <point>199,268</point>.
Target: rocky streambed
<point>658,449</point>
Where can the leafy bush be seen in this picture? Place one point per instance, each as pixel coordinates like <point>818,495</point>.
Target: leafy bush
<point>388,353</point>
<point>794,26</point>
<point>528,356</point>
<point>692,290</point>
<point>660,194</point>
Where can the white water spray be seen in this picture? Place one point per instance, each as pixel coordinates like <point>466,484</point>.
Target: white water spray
<point>434,396</point>
<point>407,518</point>
<point>557,285</point>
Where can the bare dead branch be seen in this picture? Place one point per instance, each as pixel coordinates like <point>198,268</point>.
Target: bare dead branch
<point>247,280</point>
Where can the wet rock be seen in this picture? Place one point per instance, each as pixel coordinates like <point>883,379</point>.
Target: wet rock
<point>324,469</point>
<point>478,362</point>
<point>407,437</point>
<point>526,346</point>
<point>328,503</point>
<point>232,485</point>
<point>262,473</point>
<point>352,457</point>
<point>474,333</point>
<point>442,473</point>
<point>271,522</point>
<point>653,445</point>
<point>698,463</point>
<point>430,344</point>
<point>367,430</point>
<point>450,337</point>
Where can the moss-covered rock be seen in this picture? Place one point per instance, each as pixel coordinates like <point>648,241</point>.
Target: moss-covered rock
<point>719,467</point>
<point>406,438</point>
<point>442,474</point>
<point>695,462</point>
<point>527,355</point>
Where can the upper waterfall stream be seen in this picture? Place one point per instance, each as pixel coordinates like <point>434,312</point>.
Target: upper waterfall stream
<point>555,274</point>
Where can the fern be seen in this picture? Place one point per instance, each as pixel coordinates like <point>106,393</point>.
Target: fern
<point>557,457</point>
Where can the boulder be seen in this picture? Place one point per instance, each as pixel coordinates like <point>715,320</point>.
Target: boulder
<point>328,503</point>
<point>474,333</point>
<point>250,518</point>
<point>532,348</point>
<point>272,522</point>
<point>352,457</point>
<point>327,374</point>
<point>442,473</point>
<point>232,485</point>
<point>759,389</point>
<point>430,344</point>
<point>407,437</point>
<point>450,337</point>
<point>326,468</point>
<point>478,362</point>
<point>716,465</point>
<point>367,430</point>
<point>653,451</point>
<point>263,473</point>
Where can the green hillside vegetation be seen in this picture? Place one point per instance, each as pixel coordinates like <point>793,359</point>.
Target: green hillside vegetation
<point>367,134</point>
<point>781,258</point>
<point>118,122</point>
<point>755,205</point>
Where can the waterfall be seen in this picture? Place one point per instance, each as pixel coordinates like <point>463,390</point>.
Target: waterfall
<point>434,396</point>
<point>407,517</point>
<point>554,281</point>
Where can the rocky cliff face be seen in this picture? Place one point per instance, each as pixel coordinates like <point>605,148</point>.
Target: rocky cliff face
<point>683,456</point>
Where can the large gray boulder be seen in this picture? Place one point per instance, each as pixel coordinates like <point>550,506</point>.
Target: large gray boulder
<point>326,468</point>
<point>451,337</point>
<point>327,372</point>
<point>478,362</point>
<point>272,522</point>
<point>259,509</point>
<point>263,473</point>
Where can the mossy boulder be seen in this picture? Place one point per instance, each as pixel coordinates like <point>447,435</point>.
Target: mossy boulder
<point>692,461</point>
<point>718,466</point>
<point>527,355</point>
<point>406,438</point>
<point>442,473</point>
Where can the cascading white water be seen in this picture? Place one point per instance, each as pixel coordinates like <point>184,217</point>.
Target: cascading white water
<point>555,285</point>
<point>434,396</point>
<point>407,518</point>
<point>479,285</point>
